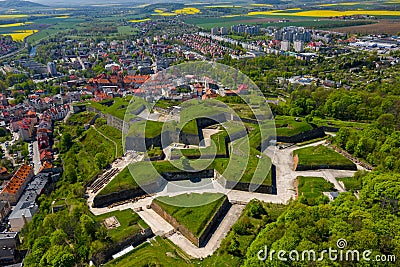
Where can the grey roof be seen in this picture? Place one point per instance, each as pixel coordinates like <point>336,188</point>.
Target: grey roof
<point>26,205</point>
<point>8,235</point>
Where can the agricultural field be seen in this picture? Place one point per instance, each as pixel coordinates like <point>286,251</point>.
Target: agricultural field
<point>194,218</point>
<point>387,26</point>
<point>19,36</point>
<point>321,157</point>
<point>312,187</point>
<point>24,26</point>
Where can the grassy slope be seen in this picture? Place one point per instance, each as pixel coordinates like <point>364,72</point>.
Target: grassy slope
<point>321,155</point>
<point>312,187</point>
<point>131,223</point>
<point>123,181</point>
<point>114,134</point>
<point>351,183</point>
<point>90,143</point>
<point>292,127</point>
<point>159,252</point>
<point>193,218</point>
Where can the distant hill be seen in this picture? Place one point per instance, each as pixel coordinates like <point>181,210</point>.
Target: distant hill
<point>19,4</point>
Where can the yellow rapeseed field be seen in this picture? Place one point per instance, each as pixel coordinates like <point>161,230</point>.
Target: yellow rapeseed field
<point>342,4</point>
<point>188,11</point>
<point>183,11</point>
<point>62,17</point>
<point>139,20</point>
<point>165,14</point>
<point>19,36</point>
<point>326,13</point>
<point>13,16</point>
<point>12,25</point>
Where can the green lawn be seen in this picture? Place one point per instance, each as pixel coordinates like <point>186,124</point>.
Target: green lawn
<point>148,129</point>
<point>351,183</point>
<point>159,252</point>
<point>312,187</point>
<point>127,30</point>
<point>163,103</point>
<point>117,109</point>
<point>154,152</point>
<point>114,134</point>
<point>339,124</point>
<point>80,119</point>
<point>193,218</point>
<point>287,126</point>
<point>321,156</point>
<point>123,181</point>
<point>190,127</point>
<point>131,224</point>
<point>219,149</point>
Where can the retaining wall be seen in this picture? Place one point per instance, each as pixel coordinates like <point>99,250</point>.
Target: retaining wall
<point>207,232</point>
<point>102,257</point>
<point>302,137</point>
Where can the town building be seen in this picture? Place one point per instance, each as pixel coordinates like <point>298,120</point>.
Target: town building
<point>285,45</point>
<point>14,188</point>
<point>51,68</point>
<point>27,206</point>
<point>298,46</point>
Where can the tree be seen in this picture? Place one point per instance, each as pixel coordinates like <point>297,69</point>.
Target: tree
<point>233,247</point>
<point>70,174</point>
<point>255,209</point>
<point>88,225</point>
<point>101,160</point>
<point>66,142</point>
<point>386,122</point>
<point>58,237</point>
<point>342,136</point>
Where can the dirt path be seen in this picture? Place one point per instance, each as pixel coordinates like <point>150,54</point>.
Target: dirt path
<point>106,137</point>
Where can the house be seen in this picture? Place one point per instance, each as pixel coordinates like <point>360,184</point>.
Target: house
<point>46,155</point>
<point>26,206</point>
<point>14,188</point>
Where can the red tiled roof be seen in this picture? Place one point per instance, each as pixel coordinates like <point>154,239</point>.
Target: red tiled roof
<point>17,180</point>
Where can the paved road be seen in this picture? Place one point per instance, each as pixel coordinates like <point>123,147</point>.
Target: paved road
<point>283,160</point>
<point>286,176</point>
<point>231,217</point>
<point>119,164</point>
<point>36,157</point>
